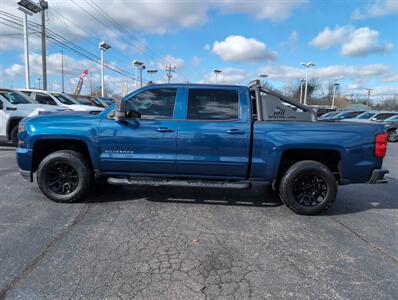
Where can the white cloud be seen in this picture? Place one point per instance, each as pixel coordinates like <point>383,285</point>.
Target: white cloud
<point>14,71</point>
<point>364,41</point>
<point>271,9</point>
<point>239,48</point>
<point>354,42</point>
<point>331,37</point>
<point>291,43</point>
<point>228,76</point>
<point>196,60</point>
<point>379,8</point>
<point>171,60</point>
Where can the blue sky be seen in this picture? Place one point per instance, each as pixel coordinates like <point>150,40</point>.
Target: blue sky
<point>352,42</point>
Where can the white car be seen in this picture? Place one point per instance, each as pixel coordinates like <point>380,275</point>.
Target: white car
<point>14,106</point>
<point>60,99</point>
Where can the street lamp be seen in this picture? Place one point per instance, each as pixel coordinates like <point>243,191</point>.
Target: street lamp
<point>216,72</point>
<point>151,72</point>
<point>335,85</point>
<point>103,47</point>
<point>301,89</point>
<point>139,65</point>
<point>307,65</point>
<point>263,76</point>
<point>369,91</point>
<point>28,8</point>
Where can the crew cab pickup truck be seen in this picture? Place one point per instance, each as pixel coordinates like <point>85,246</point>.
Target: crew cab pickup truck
<point>216,136</point>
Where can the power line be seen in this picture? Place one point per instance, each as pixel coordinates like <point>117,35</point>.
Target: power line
<point>61,41</point>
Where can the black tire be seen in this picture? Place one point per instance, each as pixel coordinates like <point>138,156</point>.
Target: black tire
<point>64,176</point>
<point>391,136</point>
<point>308,188</point>
<point>14,136</point>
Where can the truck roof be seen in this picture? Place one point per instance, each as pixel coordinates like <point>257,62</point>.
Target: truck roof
<point>210,85</point>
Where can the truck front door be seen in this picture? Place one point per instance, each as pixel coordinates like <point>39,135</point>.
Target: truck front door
<point>144,145</point>
<point>214,137</point>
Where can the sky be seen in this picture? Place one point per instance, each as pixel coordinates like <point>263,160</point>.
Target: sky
<point>352,42</point>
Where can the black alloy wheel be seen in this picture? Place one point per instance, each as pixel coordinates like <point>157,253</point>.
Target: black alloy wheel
<point>62,178</point>
<point>310,190</point>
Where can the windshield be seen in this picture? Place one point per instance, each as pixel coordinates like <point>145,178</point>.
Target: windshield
<point>329,114</point>
<point>64,99</point>
<point>14,97</point>
<point>107,101</point>
<point>365,115</point>
<point>97,102</point>
<point>392,119</point>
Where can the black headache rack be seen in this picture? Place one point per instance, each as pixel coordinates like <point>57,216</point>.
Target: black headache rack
<point>271,105</point>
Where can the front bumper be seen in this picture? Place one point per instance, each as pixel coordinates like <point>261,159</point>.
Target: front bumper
<point>378,176</point>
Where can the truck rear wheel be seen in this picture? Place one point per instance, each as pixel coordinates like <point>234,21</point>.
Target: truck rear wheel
<point>64,176</point>
<point>391,136</point>
<point>308,188</point>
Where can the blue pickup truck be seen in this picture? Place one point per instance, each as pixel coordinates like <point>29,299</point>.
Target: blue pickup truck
<point>217,136</point>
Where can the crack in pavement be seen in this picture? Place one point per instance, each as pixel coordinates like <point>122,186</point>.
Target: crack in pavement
<point>370,244</point>
<point>36,259</point>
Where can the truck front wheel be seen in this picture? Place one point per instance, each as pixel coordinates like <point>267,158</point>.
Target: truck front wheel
<point>64,176</point>
<point>308,187</point>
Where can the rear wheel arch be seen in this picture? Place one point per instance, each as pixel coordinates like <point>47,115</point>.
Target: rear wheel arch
<point>330,158</point>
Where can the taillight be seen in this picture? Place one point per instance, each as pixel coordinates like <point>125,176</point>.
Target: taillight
<point>381,145</point>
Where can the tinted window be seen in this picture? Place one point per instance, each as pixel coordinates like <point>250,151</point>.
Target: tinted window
<point>27,93</point>
<point>154,104</point>
<point>44,99</point>
<point>64,99</point>
<point>366,115</point>
<point>381,117</point>
<point>212,104</point>
<point>14,98</point>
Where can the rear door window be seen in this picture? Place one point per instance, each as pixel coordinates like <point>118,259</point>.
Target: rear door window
<point>213,104</point>
<point>45,99</point>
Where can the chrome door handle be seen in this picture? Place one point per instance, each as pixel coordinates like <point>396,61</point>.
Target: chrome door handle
<point>235,131</point>
<point>164,129</point>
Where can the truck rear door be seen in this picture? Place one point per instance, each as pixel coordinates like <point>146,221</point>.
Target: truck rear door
<point>214,133</point>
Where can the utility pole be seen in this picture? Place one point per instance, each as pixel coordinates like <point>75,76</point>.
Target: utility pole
<point>28,8</point>
<point>263,76</point>
<point>170,70</point>
<point>62,71</point>
<point>307,65</point>
<point>43,6</point>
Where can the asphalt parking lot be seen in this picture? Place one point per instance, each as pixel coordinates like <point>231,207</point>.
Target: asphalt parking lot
<point>171,243</point>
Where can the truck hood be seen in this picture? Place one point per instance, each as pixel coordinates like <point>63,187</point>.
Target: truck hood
<point>79,107</point>
<point>36,109</point>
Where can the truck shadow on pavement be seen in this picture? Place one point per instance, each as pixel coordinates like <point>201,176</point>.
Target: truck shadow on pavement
<point>256,196</point>
<point>350,199</point>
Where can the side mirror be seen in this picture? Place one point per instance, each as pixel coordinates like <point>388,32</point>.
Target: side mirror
<point>132,114</point>
<point>373,119</point>
<point>120,112</point>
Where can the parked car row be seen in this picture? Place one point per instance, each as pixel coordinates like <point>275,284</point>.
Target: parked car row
<point>389,118</point>
<point>18,104</point>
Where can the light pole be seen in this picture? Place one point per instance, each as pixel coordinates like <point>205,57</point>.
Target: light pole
<point>263,76</point>
<point>138,69</point>
<point>103,46</point>
<point>301,90</point>
<point>43,6</point>
<point>308,65</point>
<point>369,91</point>
<point>151,72</point>
<point>216,72</point>
<point>28,8</point>
<point>39,79</point>
<point>335,85</point>
<point>62,71</point>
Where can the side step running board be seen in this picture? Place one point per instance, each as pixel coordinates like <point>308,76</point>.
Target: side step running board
<point>179,182</point>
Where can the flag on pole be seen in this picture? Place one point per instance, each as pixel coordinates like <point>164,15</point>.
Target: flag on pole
<point>80,83</point>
